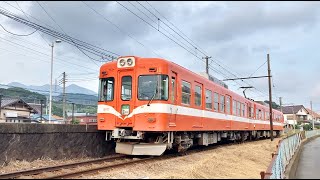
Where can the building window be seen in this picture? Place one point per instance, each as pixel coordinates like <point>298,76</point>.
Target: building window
<point>208,99</point>
<point>186,92</point>
<point>216,101</point>
<point>197,96</point>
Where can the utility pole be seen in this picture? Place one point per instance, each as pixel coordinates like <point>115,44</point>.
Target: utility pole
<point>0,105</point>
<point>280,99</point>
<point>41,102</point>
<point>72,112</point>
<point>270,98</point>
<point>64,96</point>
<point>47,105</point>
<point>312,116</point>
<point>207,63</point>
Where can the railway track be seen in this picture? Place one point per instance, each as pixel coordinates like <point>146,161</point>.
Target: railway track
<point>35,172</point>
<point>78,169</point>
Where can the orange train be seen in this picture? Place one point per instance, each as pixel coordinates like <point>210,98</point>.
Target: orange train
<point>149,105</point>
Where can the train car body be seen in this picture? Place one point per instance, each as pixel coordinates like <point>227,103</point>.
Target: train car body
<point>149,105</point>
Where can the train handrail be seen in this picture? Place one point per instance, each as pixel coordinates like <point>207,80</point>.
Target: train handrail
<point>285,150</point>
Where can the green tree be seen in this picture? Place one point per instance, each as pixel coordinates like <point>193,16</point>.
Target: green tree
<point>75,121</point>
<point>57,110</point>
<point>274,105</point>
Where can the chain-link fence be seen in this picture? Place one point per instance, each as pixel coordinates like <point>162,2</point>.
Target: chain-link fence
<point>285,151</point>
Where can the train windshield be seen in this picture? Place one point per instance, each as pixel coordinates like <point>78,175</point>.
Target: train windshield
<point>153,86</point>
<point>106,89</point>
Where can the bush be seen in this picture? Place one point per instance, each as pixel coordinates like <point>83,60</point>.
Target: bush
<point>307,127</point>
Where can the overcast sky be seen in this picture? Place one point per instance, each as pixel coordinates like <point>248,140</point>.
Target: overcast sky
<point>238,36</point>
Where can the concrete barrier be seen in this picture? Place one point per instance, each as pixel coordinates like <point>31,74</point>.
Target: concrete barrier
<point>25,141</point>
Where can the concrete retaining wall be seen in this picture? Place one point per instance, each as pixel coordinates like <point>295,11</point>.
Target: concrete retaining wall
<point>19,141</point>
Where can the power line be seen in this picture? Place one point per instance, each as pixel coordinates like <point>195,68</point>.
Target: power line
<point>66,34</point>
<point>17,34</point>
<point>29,20</point>
<point>106,19</point>
<point>42,53</point>
<point>83,45</point>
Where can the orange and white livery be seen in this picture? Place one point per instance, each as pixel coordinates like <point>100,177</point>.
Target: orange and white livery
<point>149,105</point>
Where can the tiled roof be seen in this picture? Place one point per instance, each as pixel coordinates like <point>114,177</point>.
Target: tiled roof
<point>314,113</point>
<point>7,101</point>
<point>36,107</point>
<point>289,109</point>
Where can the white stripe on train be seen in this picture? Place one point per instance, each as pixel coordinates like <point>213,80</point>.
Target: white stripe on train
<point>180,110</point>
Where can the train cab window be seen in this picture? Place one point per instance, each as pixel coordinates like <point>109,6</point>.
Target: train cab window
<point>186,92</point>
<point>154,87</point>
<point>228,103</point>
<point>173,85</point>
<point>234,108</point>
<point>216,101</point>
<point>197,95</point>
<point>106,89</point>
<point>222,104</point>
<point>126,88</point>
<point>208,99</point>
<point>249,112</point>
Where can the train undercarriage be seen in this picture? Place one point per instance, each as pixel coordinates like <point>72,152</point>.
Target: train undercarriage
<point>154,143</point>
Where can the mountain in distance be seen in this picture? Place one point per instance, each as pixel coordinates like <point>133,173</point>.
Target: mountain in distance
<point>45,89</point>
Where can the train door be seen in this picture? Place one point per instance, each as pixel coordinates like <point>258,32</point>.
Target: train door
<point>173,100</point>
<point>125,98</point>
<point>198,104</point>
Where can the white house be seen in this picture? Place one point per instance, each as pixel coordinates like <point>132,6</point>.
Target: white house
<point>294,114</point>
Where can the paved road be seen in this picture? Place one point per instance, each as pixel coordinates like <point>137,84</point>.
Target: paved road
<point>309,162</point>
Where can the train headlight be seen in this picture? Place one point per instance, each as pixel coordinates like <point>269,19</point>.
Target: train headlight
<point>122,62</point>
<point>129,62</point>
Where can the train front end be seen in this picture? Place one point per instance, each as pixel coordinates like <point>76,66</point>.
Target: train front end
<point>131,91</point>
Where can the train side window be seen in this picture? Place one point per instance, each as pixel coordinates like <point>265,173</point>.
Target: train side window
<point>173,83</point>
<point>216,101</point>
<point>257,114</point>
<point>222,104</point>
<point>234,107</point>
<point>197,95</point>
<point>249,111</point>
<point>208,99</point>
<point>126,88</point>
<point>243,110</point>
<point>252,112</point>
<point>238,108</point>
<point>186,92</point>
<point>228,103</point>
